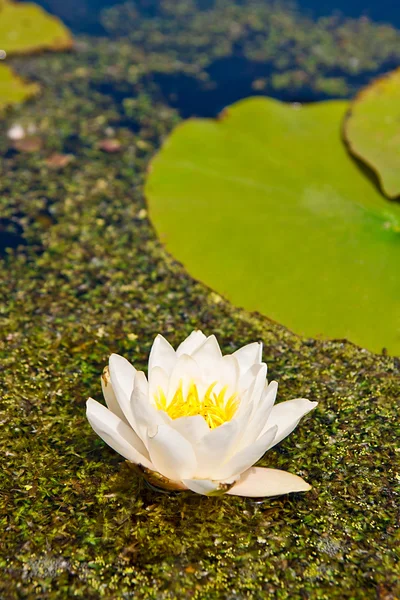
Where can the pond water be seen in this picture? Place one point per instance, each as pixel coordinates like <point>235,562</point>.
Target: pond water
<point>198,58</point>
<point>84,15</point>
<point>83,275</point>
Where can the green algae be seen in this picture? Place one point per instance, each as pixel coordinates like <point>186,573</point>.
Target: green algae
<point>75,521</point>
<point>286,49</point>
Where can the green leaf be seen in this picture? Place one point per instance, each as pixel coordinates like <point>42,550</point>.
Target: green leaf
<point>13,89</point>
<point>266,207</point>
<point>26,27</point>
<point>372,130</point>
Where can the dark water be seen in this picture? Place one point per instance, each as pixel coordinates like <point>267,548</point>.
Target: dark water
<point>84,15</point>
<point>378,10</point>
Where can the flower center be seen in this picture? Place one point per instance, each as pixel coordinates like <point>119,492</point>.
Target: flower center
<point>215,408</point>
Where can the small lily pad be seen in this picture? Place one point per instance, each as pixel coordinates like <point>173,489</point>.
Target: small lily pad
<point>26,27</point>
<point>372,130</point>
<point>266,206</point>
<point>13,89</point>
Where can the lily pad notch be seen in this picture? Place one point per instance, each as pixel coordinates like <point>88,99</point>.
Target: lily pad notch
<point>372,130</point>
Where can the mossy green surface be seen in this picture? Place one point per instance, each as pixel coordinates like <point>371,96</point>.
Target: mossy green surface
<point>94,279</point>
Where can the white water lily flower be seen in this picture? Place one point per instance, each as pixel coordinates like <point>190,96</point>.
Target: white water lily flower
<point>201,420</point>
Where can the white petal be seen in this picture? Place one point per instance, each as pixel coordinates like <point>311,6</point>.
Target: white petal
<point>141,383</point>
<point>158,379</point>
<point>244,459</point>
<point>201,486</point>
<point>162,355</point>
<point>286,415</point>
<point>109,395</point>
<point>185,371</point>
<point>192,428</point>
<point>258,386</point>
<point>258,482</point>
<point>171,454</point>
<point>206,487</point>
<point>145,416</point>
<point>208,357</point>
<point>117,434</point>
<point>250,396</point>
<point>241,418</point>
<point>247,379</point>
<point>249,355</point>
<point>214,448</point>
<point>229,373</point>
<point>245,406</point>
<point>259,418</point>
<point>122,376</point>
<point>192,342</point>
<point>265,405</point>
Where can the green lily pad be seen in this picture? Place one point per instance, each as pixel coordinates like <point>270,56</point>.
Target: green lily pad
<point>26,27</point>
<point>372,130</point>
<point>266,207</point>
<point>13,89</point>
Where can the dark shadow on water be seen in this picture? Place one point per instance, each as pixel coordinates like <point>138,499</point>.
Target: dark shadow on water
<point>11,235</point>
<point>227,80</point>
<point>233,78</point>
<point>21,230</point>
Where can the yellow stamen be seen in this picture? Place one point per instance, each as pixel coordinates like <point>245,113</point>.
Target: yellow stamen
<point>215,408</point>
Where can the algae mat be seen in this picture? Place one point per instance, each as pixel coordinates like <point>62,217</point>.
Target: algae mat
<point>75,522</point>
<point>265,206</point>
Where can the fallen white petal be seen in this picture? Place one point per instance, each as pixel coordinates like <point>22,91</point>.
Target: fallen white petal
<point>16,132</point>
<point>162,355</point>
<point>257,482</point>
<point>171,454</point>
<point>117,434</point>
<point>192,342</point>
<point>287,415</point>
<point>244,459</point>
